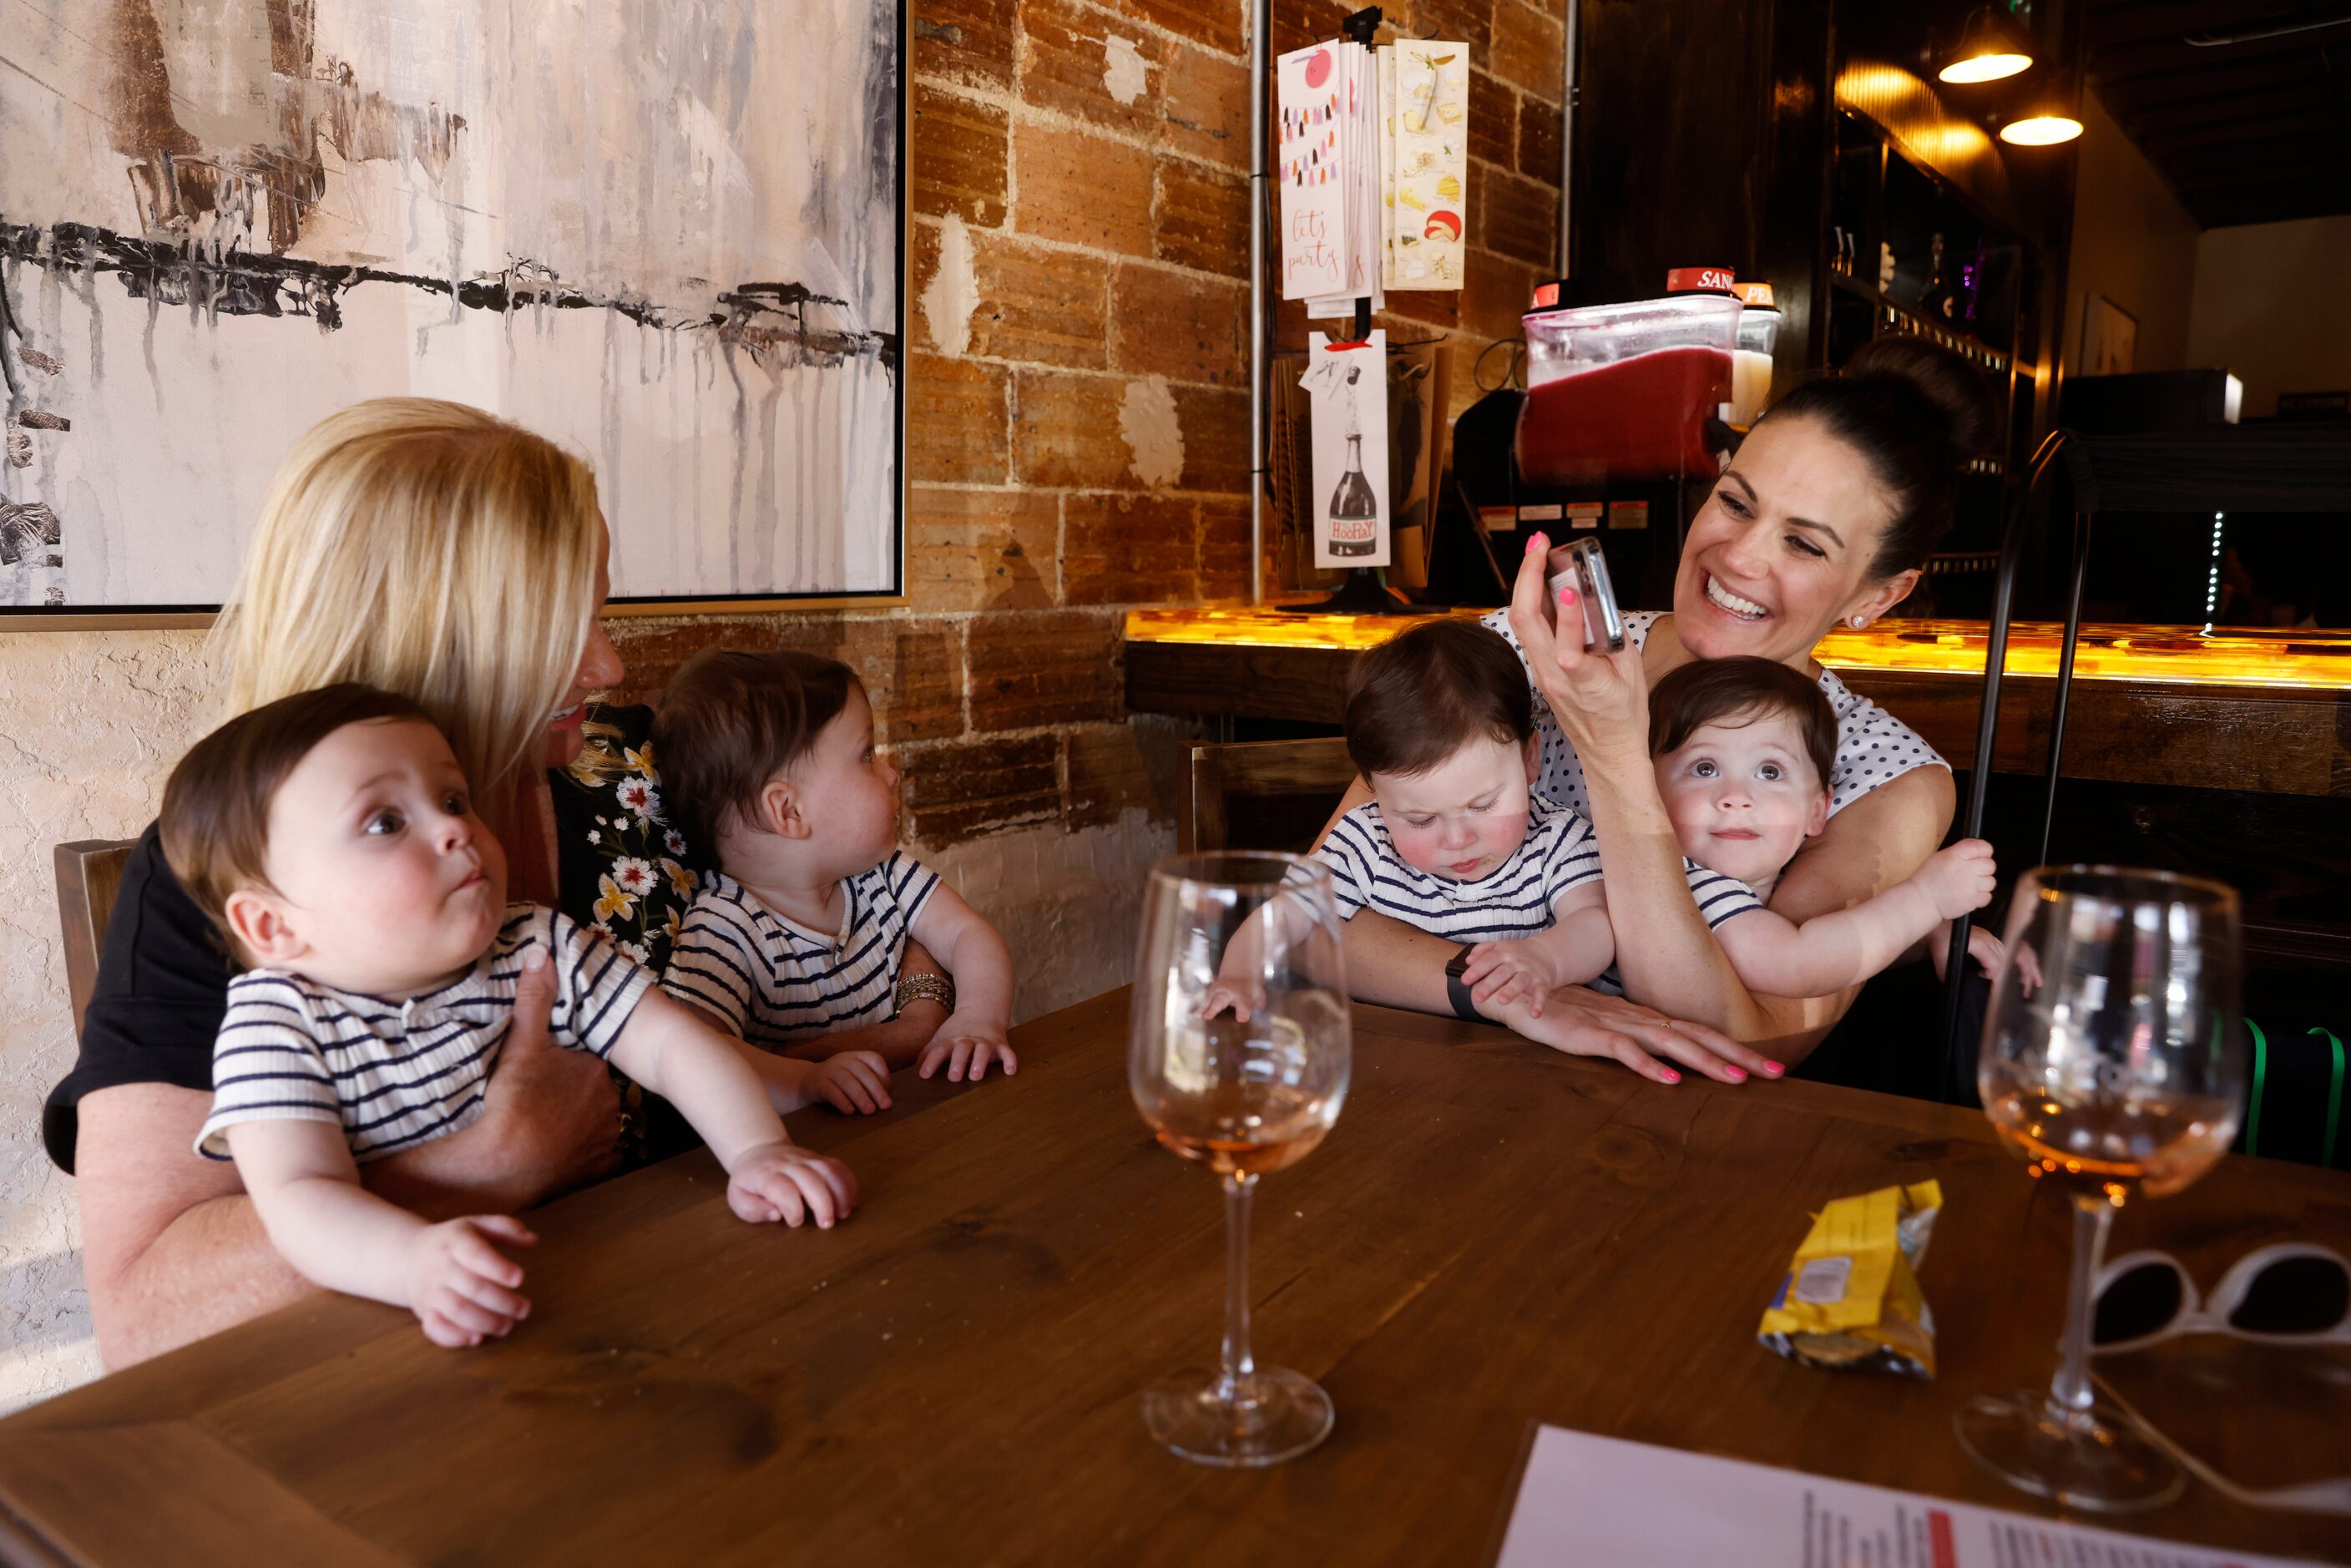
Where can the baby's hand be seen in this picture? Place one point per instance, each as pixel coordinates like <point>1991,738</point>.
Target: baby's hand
<point>966,1046</point>
<point>1958,879</point>
<point>1240,999</point>
<point>1501,971</point>
<point>459,1286</point>
<point>783,1181</point>
<point>852,1081</point>
<point>2028,969</point>
<point>1989,951</point>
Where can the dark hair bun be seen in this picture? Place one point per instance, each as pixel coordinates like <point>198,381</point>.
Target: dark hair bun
<point>1955,388</point>
<point>1917,414</point>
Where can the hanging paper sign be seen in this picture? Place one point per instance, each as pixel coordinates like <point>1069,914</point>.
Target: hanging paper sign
<point>1347,393</point>
<point>1309,87</point>
<point>1425,90</point>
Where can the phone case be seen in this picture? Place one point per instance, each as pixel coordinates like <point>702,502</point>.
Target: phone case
<point>1587,571</point>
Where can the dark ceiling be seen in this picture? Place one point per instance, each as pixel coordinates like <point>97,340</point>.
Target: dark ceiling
<point>2247,128</point>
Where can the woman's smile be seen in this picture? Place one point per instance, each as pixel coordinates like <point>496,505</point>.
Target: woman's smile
<point>1736,606</point>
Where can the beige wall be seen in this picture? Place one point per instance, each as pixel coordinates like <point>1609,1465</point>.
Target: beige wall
<point>2273,305</point>
<point>2133,241</point>
<point>93,721</point>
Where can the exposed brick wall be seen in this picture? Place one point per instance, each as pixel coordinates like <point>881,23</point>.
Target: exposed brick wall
<point>1077,440</point>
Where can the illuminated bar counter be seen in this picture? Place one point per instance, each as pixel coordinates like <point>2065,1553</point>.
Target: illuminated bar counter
<point>2258,711</point>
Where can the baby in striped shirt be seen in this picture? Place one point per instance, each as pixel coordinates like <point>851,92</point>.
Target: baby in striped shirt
<point>331,839</point>
<point>797,942</point>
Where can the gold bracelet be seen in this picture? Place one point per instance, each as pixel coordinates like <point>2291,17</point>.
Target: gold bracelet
<point>921,986</point>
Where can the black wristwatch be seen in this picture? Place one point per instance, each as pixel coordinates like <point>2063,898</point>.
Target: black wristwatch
<point>1458,993</point>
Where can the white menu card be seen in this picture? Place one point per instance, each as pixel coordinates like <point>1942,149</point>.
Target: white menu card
<point>1601,1501</point>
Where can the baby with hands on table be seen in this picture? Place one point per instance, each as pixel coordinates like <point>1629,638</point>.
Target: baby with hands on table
<point>797,943</point>
<point>331,839</point>
<point>1457,842</point>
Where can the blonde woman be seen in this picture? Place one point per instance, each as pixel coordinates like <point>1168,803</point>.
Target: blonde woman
<point>436,551</point>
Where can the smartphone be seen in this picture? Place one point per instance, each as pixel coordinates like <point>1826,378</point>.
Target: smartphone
<point>1582,566</point>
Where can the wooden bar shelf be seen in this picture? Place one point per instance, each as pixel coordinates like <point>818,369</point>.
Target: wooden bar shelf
<point>2258,711</point>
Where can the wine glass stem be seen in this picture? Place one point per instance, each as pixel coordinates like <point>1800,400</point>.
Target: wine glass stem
<point>2070,1393</point>
<point>1238,1367</point>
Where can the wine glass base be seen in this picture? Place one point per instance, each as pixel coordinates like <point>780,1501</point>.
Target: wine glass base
<point>1278,1415</point>
<point>2104,1463</point>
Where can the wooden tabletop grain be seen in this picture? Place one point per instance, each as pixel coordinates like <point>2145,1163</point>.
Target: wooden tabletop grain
<point>1493,1235</point>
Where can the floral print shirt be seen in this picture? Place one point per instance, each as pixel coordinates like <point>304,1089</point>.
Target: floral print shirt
<point>625,872</point>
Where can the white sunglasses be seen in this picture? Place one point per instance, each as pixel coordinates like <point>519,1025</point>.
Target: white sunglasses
<point>2290,1293</point>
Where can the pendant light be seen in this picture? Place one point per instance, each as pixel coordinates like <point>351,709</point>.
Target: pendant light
<point>1990,47</point>
<point>2050,114</point>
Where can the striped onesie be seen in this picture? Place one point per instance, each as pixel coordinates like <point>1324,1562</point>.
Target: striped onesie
<point>775,981</point>
<point>394,1073</point>
<point>1512,900</point>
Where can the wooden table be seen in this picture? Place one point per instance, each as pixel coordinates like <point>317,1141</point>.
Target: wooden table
<point>1493,1235</point>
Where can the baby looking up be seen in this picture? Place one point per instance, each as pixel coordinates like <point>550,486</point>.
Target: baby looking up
<point>797,942</point>
<point>331,839</point>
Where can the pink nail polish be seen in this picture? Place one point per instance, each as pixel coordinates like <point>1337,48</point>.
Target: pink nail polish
<point>1738,1075</point>
<point>1774,1069</point>
<point>1567,596</point>
<point>1672,1077</point>
<point>1535,544</point>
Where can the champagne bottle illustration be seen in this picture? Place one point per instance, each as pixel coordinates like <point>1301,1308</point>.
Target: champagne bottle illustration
<point>1355,510</point>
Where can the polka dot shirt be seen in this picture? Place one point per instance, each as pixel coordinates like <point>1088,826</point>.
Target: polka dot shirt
<point>1873,747</point>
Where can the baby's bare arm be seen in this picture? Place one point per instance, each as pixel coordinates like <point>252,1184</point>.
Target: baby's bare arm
<point>675,1050</point>
<point>1775,956</point>
<point>305,1188</point>
<point>973,953</point>
<point>1575,949</point>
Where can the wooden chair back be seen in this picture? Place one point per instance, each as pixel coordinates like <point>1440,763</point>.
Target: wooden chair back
<point>1214,774</point>
<point>89,873</point>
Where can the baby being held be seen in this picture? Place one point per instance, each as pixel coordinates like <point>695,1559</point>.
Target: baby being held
<point>331,838</point>
<point>796,943</point>
<point>1743,750</point>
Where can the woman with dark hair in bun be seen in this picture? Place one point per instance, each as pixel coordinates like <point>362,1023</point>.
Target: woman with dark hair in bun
<point>1824,518</point>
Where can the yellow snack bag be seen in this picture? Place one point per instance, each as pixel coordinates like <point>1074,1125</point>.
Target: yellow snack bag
<point>1851,1296</point>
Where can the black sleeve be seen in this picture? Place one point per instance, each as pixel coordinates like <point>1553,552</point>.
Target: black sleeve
<point>163,985</point>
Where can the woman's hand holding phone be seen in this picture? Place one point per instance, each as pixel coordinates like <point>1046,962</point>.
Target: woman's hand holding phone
<point>1600,699</point>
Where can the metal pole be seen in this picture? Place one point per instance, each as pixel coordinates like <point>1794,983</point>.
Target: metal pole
<point>1567,95</point>
<point>2064,678</point>
<point>2012,552</point>
<point>1260,324</point>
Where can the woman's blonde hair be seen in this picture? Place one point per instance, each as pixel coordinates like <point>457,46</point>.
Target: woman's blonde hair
<point>433,550</point>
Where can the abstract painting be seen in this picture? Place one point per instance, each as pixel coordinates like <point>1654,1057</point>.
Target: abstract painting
<point>668,233</point>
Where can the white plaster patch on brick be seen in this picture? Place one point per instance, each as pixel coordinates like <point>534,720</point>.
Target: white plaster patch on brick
<point>1068,902</point>
<point>953,293</point>
<point>1153,434</point>
<point>94,722</point>
<point>1123,73</point>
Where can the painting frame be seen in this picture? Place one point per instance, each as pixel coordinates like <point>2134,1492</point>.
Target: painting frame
<point>2109,338</point>
<point>197,617</point>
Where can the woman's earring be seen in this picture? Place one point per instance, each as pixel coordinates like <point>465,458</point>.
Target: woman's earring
<point>1860,622</point>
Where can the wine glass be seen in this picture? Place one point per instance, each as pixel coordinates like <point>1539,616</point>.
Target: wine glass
<point>1238,1058</point>
<point>2112,1058</point>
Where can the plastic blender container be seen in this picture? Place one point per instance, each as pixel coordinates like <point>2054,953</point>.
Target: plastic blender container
<point>1624,392</point>
<point>1751,371</point>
